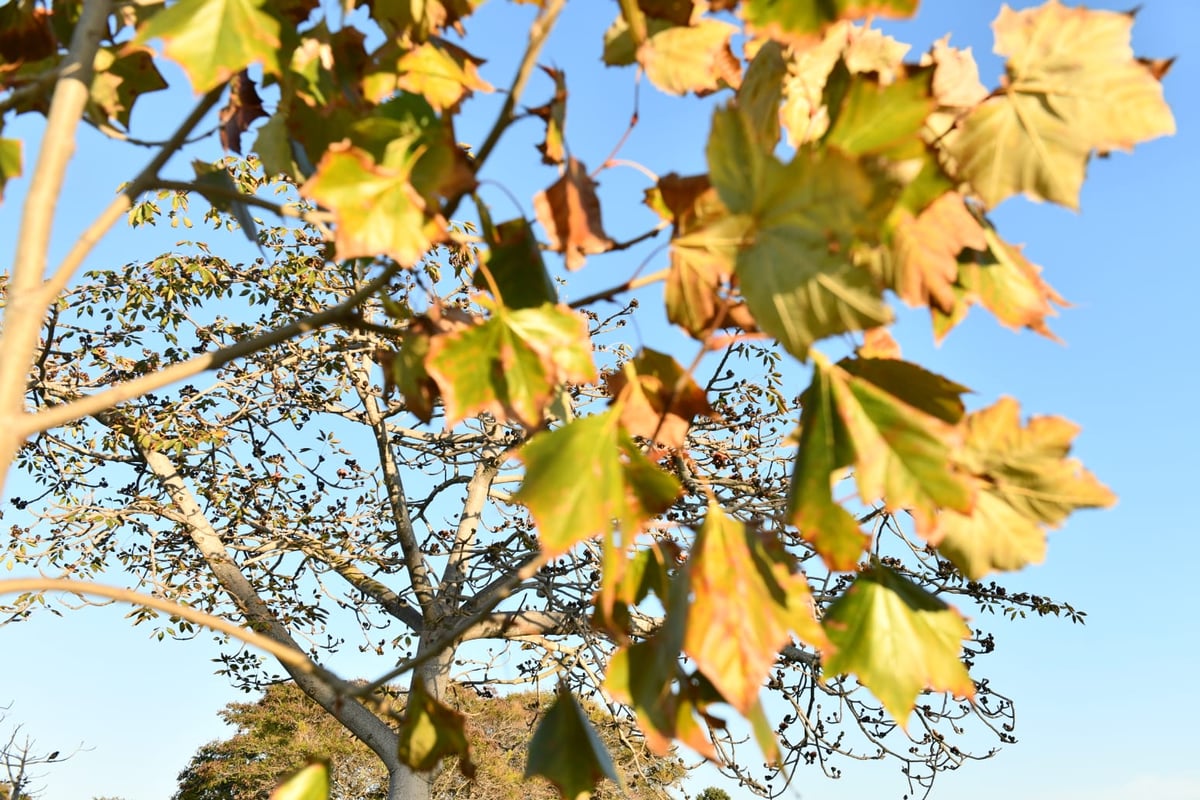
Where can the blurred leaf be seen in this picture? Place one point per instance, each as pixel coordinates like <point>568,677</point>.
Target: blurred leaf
<point>10,162</point>
<point>554,114</point>
<point>213,40</point>
<point>243,107</point>
<point>430,732</point>
<point>656,398</point>
<point>801,21</point>
<point>569,211</point>
<point>566,750</point>
<point>309,783</point>
<point>691,58</point>
<point>587,474</point>
<point>897,640</point>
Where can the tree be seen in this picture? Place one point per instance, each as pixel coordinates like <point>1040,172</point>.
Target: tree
<point>21,761</point>
<point>712,793</point>
<point>675,540</point>
<point>279,731</point>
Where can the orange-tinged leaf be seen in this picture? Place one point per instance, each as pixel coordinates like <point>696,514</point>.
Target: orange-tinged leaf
<point>693,58</point>
<point>656,398</point>
<point>878,343</point>
<point>802,21</point>
<point>420,19</point>
<point>376,206</point>
<point>895,423</point>
<point>1004,282</point>
<point>581,477</point>
<point>441,72</point>
<point>567,751</point>
<point>554,114</point>
<point>748,597</point>
<point>898,640</point>
<point>512,364</point>
<point>431,731</point>
<point>1074,87</point>
<point>569,211</point>
<point>1027,483</point>
<point>308,783</point>
<point>213,40</point>
<point>925,248</point>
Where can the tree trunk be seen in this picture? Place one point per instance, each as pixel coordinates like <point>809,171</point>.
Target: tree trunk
<point>404,783</point>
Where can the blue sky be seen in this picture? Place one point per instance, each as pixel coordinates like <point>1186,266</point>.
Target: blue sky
<point>1102,708</point>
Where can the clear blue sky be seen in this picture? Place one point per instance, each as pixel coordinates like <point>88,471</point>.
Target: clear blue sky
<point>1103,709</point>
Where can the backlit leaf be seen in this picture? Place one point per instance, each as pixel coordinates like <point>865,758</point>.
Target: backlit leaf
<point>1027,482</point>
<point>924,251</point>
<point>119,79</point>
<point>378,210</point>
<point>567,751</point>
<point>569,211</point>
<point>586,475</point>
<point>213,40</point>
<point>243,107</point>
<point>656,398</point>
<point>431,731</point>
<point>1073,87</point>
<point>309,783</point>
<point>10,162</point>
<point>692,58</point>
<point>554,114</point>
<point>420,19</point>
<point>871,117</point>
<point>514,262</point>
<point>797,272</point>
<point>748,597</point>
<point>897,640</point>
<point>512,364</point>
<point>801,21</point>
<point>441,72</point>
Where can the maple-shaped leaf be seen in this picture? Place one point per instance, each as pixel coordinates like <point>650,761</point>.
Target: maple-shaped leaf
<point>797,272</point>
<point>761,92</point>
<point>513,265</point>
<point>310,782</point>
<point>862,50</point>
<point>420,19</point>
<point>213,40</point>
<point>119,79</point>
<point>897,640</point>
<point>10,162</point>
<point>956,83</point>
<point>1073,87</point>
<point>567,751</point>
<point>896,424</point>
<point>243,107</point>
<point>554,114</point>
<point>1004,282</point>
<point>748,597</point>
<point>691,58</point>
<point>376,206</point>
<point>656,398</point>
<point>441,72</point>
<point>582,477</point>
<point>430,731</point>
<point>512,364</point>
<point>1027,483</point>
<point>802,21</point>
<point>569,211</point>
<point>870,117</point>
<point>925,248</point>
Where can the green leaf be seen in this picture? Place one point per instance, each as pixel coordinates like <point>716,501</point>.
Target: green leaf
<point>273,145</point>
<point>898,640</point>
<point>567,751</point>
<point>309,783</point>
<point>874,118</point>
<point>213,40</point>
<point>761,92</point>
<point>587,474</point>
<point>218,179</point>
<point>119,80</point>
<point>748,596</point>
<point>1073,87</point>
<point>515,263</point>
<point>798,273</point>
<point>378,210</point>
<point>1026,482</point>
<point>512,364</point>
<point>10,161</point>
<point>895,423</point>
<point>801,21</point>
<point>430,732</point>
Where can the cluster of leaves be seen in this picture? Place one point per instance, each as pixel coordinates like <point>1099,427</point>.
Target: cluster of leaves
<point>840,176</point>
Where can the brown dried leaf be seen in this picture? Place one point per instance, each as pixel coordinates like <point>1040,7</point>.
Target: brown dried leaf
<point>569,211</point>
<point>244,106</point>
<point>657,398</point>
